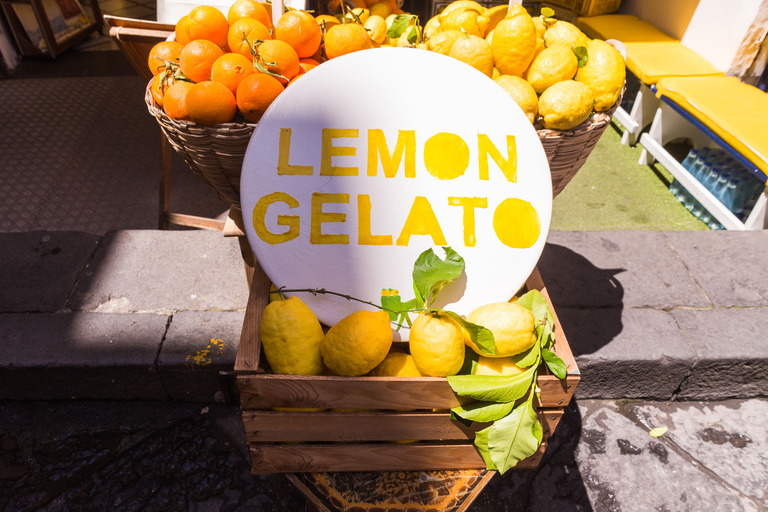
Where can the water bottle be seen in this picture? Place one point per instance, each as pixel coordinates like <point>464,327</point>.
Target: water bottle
<point>728,195</point>
<point>722,183</point>
<point>690,159</point>
<point>699,167</point>
<point>710,180</point>
<point>675,187</point>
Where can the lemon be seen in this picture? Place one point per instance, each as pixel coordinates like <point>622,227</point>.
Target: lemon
<point>495,15</point>
<point>431,27</point>
<point>390,19</point>
<point>541,28</point>
<point>552,65</point>
<point>362,15</point>
<point>495,74</point>
<point>442,41</point>
<point>380,9</point>
<point>514,42</point>
<point>291,337</point>
<point>274,296</point>
<point>474,51</point>
<point>376,27</point>
<point>357,343</point>
<point>564,33</point>
<point>396,364</point>
<point>565,105</point>
<point>402,41</point>
<point>522,92</point>
<point>604,74</point>
<point>462,5</point>
<point>489,37</point>
<point>511,325</point>
<point>497,366</point>
<point>468,21</point>
<point>437,345</point>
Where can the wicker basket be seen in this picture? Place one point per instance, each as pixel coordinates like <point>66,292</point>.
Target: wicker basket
<point>216,152</point>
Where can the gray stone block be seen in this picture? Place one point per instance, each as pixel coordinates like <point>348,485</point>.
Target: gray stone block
<point>38,269</point>
<point>197,347</point>
<point>163,271</point>
<point>630,353</point>
<point>616,269</point>
<point>729,265</point>
<point>732,353</point>
<point>80,355</point>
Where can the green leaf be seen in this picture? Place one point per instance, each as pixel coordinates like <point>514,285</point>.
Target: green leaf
<point>554,363</point>
<point>493,388</point>
<point>528,357</point>
<point>470,362</point>
<point>480,336</point>
<point>397,309</point>
<point>399,24</point>
<point>515,437</point>
<point>484,411</point>
<point>547,12</point>
<point>582,55</point>
<point>431,274</point>
<point>481,443</point>
<point>461,420</point>
<point>658,432</point>
<point>413,35</point>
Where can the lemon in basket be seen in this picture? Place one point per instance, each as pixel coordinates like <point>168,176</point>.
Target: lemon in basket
<point>396,364</point>
<point>604,74</point>
<point>291,335</point>
<point>563,33</point>
<point>474,51</point>
<point>514,42</point>
<point>357,343</point>
<point>550,66</point>
<point>522,92</point>
<point>565,105</point>
<point>511,325</point>
<point>442,41</point>
<point>437,345</point>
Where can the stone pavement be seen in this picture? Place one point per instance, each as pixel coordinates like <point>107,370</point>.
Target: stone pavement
<point>156,315</point>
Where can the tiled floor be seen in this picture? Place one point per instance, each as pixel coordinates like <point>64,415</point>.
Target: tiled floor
<point>80,151</point>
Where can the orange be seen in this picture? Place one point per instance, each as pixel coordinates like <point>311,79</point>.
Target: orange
<point>346,38</point>
<point>326,21</point>
<point>230,69</point>
<point>307,64</point>
<point>175,100</point>
<point>268,7</point>
<point>248,9</point>
<point>159,87</point>
<point>162,52</point>
<point>279,58</point>
<point>197,58</point>
<point>181,30</point>
<point>243,33</point>
<point>206,22</point>
<point>211,103</point>
<point>300,30</point>
<point>255,94</point>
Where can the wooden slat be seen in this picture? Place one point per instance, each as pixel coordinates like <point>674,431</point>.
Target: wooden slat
<point>250,345</point>
<point>272,426</point>
<point>117,21</point>
<point>193,221</point>
<point>267,458</point>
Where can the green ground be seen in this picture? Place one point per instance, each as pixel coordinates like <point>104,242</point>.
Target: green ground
<point>613,191</point>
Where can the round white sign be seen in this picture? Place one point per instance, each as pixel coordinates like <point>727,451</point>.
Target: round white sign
<point>376,156</point>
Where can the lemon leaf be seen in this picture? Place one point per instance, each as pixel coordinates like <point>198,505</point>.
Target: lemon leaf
<point>582,55</point>
<point>397,309</point>
<point>470,362</point>
<point>413,35</point>
<point>515,437</point>
<point>399,24</point>
<point>554,363</point>
<point>528,357</point>
<point>481,443</point>
<point>658,432</point>
<point>431,274</point>
<point>493,388</point>
<point>484,412</point>
<point>482,337</point>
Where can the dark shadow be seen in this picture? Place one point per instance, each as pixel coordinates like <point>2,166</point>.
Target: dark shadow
<point>588,300</point>
<point>73,64</point>
<point>555,486</point>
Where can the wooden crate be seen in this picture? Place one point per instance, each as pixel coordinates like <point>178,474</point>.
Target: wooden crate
<point>397,409</point>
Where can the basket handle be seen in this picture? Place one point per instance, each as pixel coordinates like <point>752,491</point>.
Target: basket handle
<point>619,46</point>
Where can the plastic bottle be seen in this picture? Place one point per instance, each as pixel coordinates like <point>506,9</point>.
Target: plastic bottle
<point>728,194</point>
<point>675,187</point>
<point>710,180</point>
<point>690,159</point>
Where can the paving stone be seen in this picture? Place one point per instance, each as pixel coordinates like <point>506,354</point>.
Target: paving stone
<point>729,265</point>
<point>616,269</point>
<point>630,353</point>
<point>163,271</point>
<point>39,269</point>
<point>80,355</point>
<point>732,356</point>
<point>197,347</point>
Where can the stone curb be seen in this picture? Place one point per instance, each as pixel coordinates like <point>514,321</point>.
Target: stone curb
<point>155,315</point>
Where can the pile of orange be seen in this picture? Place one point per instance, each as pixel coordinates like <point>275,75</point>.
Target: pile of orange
<point>220,65</point>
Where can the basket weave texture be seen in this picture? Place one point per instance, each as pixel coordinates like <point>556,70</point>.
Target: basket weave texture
<point>216,152</point>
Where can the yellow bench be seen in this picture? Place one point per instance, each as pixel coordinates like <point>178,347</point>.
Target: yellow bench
<point>651,56</point>
<point>706,110</point>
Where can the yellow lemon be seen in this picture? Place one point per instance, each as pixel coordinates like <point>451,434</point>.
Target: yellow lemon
<point>357,343</point>
<point>291,337</point>
<point>511,325</point>
<point>437,345</point>
<point>462,5</point>
<point>495,15</point>
<point>376,27</point>
<point>442,41</point>
<point>497,366</point>
<point>358,13</point>
<point>474,51</point>
<point>564,33</point>
<point>552,65</point>
<point>380,9</point>
<point>541,28</point>
<point>565,105</point>
<point>495,74</point>
<point>604,74</point>
<point>431,27</point>
<point>522,92</point>
<point>402,41</point>
<point>467,21</point>
<point>396,364</point>
<point>514,42</point>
